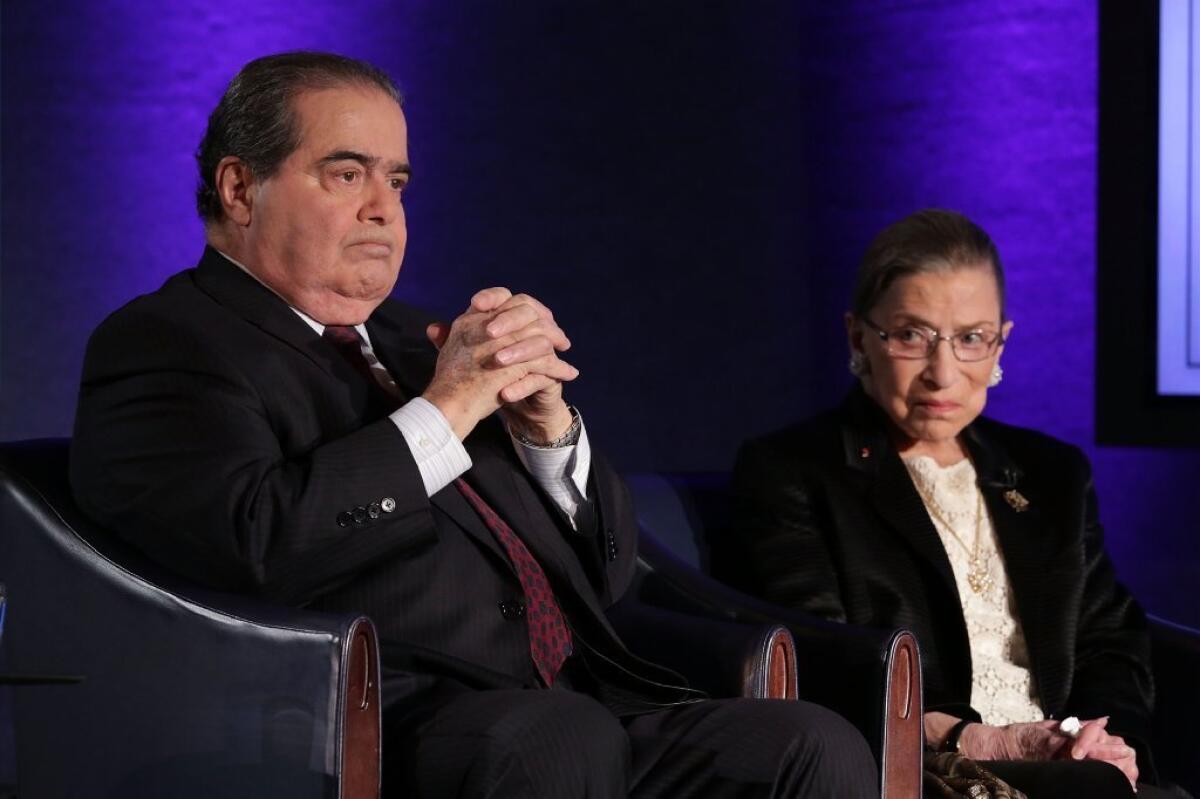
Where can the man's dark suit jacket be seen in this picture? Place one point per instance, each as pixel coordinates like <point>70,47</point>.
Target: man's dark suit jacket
<point>220,434</point>
<point>829,522</point>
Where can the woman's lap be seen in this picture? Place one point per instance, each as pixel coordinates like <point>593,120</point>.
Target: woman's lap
<point>1063,778</point>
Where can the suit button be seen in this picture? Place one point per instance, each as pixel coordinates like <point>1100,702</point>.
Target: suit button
<point>360,514</point>
<point>387,504</point>
<point>612,545</point>
<point>373,510</point>
<point>344,519</point>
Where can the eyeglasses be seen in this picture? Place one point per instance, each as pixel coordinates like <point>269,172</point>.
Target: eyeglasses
<point>913,342</point>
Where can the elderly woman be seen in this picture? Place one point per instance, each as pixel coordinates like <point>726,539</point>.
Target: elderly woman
<point>905,507</point>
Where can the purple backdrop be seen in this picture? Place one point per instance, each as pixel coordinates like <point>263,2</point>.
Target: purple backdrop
<point>688,185</point>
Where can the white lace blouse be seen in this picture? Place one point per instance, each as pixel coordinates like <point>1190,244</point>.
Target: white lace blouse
<point>1002,688</point>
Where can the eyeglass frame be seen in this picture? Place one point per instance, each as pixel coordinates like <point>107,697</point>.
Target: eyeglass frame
<point>933,341</point>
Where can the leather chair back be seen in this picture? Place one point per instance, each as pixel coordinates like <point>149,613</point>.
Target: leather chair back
<point>183,692</point>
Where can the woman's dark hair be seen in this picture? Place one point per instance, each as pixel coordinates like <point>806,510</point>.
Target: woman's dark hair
<point>256,121</point>
<point>931,240</point>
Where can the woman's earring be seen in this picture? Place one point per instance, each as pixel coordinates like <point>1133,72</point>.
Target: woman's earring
<point>996,376</point>
<point>858,364</point>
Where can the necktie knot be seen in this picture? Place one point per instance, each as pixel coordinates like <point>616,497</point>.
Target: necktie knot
<point>343,335</point>
<point>348,343</point>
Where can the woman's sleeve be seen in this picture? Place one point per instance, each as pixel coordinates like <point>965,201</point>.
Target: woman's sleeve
<point>1112,656</point>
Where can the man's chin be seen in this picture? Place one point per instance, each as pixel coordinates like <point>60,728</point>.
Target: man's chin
<point>373,279</point>
<point>334,308</point>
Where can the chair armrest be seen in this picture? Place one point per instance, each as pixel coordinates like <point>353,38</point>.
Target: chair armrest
<point>870,676</point>
<point>192,691</point>
<point>720,657</point>
<point>1175,656</point>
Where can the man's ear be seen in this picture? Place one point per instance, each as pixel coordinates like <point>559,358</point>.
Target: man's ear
<point>234,182</point>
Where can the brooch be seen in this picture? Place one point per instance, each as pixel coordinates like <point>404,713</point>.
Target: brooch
<point>1013,497</point>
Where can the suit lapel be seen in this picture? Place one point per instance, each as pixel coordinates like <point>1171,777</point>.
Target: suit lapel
<point>451,502</point>
<point>890,488</point>
<point>516,500</point>
<point>1029,551</point>
<point>401,346</point>
<point>237,291</point>
<point>897,501</point>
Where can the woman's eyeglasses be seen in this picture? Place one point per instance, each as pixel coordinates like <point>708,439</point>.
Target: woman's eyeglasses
<point>913,342</point>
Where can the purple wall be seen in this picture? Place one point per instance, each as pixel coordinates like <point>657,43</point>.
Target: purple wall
<point>688,185</point>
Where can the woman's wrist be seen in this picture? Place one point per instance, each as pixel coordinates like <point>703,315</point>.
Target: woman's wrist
<point>937,727</point>
<point>953,740</point>
<point>946,733</point>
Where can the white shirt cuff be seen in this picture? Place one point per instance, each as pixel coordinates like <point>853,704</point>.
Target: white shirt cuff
<point>440,456</point>
<point>562,472</point>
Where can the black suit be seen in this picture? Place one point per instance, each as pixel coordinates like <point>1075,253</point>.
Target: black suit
<point>210,401</point>
<point>831,523</point>
<point>220,434</point>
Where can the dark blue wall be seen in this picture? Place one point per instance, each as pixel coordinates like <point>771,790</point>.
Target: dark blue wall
<point>689,186</point>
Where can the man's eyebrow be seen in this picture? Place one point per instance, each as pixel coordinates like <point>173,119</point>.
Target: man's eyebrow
<point>369,161</point>
<point>350,155</point>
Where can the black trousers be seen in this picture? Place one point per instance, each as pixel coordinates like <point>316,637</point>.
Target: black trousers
<point>561,744</point>
<point>1065,778</point>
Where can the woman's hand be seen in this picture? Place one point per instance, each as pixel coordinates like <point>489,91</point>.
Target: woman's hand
<point>1037,740</point>
<point>1094,743</point>
<point>1034,740</point>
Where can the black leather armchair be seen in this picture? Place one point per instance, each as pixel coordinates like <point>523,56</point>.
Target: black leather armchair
<point>1175,654</point>
<point>187,692</point>
<point>872,677</point>
<point>184,692</point>
<point>722,656</point>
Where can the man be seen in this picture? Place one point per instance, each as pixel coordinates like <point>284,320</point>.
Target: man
<point>271,422</point>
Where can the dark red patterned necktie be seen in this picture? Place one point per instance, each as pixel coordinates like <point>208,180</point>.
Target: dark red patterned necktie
<point>348,343</point>
<point>549,637</point>
<point>349,346</point>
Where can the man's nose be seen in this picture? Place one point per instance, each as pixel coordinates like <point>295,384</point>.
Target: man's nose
<point>381,203</point>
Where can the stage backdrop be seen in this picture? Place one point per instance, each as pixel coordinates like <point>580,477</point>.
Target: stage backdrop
<point>688,185</point>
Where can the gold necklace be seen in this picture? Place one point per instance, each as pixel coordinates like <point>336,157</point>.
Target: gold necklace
<point>979,576</point>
